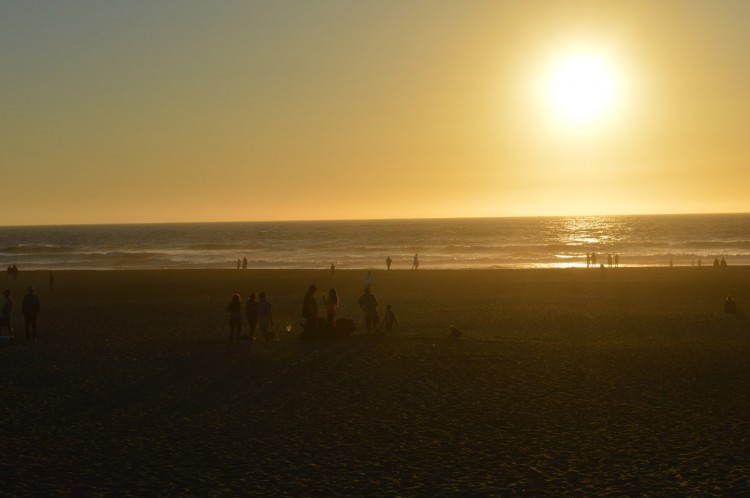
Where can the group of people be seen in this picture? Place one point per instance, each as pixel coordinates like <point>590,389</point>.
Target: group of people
<point>258,315</point>
<point>12,272</point>
<point>414,262</point>
<point>612,260</point>
<point>315,326</point>
<point>30,308</point>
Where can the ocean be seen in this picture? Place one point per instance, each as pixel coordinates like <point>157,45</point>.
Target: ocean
<point>481,243</point>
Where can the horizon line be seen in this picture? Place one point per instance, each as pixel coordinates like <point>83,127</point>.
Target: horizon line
<point>436,218</point>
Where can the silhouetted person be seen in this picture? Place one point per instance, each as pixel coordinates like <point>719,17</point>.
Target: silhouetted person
<point>388,262</point>
<point>716,262</point>
<point>265,317</point>
<point>235,318</point>
<point>30,308</point>
<point>723,262</point>
<point>389,319</point>
<point>588,260</point>
<point>310,312</point>
<point>251,313</point>
<point>609,260</point>
<point>617,260</point>
<point>593,259</point>
<point>332,306</point>
<point>369,305</point>
<point>333,269</point>
<point>239,263</point>
<point>14,273</point>
<point>369,279</point>
<point>244,263</point>
<point>730,305</point>
<point>6,315</point>
<point>415,262</point>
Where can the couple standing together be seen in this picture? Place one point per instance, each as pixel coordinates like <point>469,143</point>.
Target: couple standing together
<point>310,310</point>
<point>367,302</point>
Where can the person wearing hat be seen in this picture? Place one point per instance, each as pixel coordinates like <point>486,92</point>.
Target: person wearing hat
<point>310,311</point>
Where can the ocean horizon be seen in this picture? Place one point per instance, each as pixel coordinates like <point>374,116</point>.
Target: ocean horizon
<point>448,243</point>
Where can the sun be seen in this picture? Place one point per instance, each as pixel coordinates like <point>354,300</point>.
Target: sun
<point>581,87</point>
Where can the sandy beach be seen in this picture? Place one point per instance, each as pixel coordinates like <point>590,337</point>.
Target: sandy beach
<point>573,382</point>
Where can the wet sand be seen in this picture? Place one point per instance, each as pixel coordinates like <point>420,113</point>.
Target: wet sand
<point>565,382</point>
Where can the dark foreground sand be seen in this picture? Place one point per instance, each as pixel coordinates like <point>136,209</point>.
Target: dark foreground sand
<point>566,382</point>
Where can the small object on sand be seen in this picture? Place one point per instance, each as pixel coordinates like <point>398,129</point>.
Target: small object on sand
<point>730,305</point>
<point>455,332</point>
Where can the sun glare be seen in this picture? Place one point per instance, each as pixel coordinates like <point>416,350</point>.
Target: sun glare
<point>581,87</point>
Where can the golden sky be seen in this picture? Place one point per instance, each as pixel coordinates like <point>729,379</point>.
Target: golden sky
<point>142,111</point>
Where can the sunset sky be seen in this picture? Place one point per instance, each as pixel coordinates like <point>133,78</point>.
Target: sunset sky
<point>143,111</point>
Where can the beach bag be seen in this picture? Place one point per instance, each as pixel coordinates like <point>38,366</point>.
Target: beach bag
<point>345,327</point>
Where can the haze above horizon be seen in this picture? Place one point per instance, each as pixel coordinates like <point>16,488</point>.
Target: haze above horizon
<point>144,112</point>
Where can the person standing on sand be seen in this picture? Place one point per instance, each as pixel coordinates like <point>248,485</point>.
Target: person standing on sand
<point>332,305</point>
<point>244,263</point>
<point>265,318</point>
<point>415,262</point>
<point>239,263</point>
<point>388,262</point>
<point>235,318</point>
<point>6,316</point>
<point>251,313</point>
<point>389,319</point>
<point>30,308</point>
<point>333,269</point>
<point>369,305</point>
<point>310,311</point>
